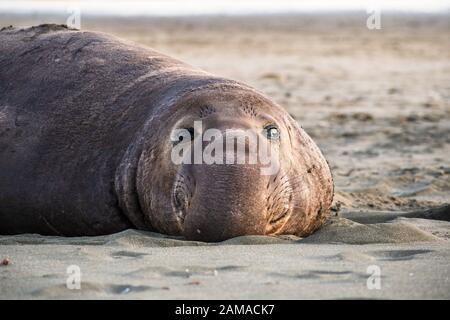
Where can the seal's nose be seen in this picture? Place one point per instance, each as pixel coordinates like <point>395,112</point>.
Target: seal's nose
<point>229,201</point>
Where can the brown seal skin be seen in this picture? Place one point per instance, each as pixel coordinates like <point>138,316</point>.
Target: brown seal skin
<point>85,145</point>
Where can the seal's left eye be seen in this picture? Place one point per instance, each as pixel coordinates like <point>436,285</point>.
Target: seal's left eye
<point>272,132</point>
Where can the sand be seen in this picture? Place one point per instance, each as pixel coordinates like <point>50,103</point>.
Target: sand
<point>376,102</point>
<point>412,256</point>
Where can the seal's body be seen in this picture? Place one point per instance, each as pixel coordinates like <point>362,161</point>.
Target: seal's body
<point>85,145</point>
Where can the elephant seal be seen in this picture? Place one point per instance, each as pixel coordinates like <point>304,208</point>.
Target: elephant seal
<point>86,145</point>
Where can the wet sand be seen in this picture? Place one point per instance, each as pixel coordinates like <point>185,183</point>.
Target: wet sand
<point>378,104</point>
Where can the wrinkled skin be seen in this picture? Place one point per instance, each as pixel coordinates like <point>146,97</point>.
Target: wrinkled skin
<point>85,145</point>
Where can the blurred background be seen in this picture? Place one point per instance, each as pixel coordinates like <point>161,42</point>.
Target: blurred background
<point>368,80</point>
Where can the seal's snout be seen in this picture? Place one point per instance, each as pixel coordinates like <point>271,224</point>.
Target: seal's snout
<point>223,201</point>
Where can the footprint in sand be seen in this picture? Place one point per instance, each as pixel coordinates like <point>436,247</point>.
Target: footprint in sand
<point>350,256</point>
<point>128,254</point>
<point>398,255</point>
<point>127,289</point>
<point>183,272</point>
<point>60,291</point>
<point>323,275</point>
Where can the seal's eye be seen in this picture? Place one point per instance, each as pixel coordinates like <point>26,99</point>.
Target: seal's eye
<point>272,132</point>
<point>182,135</point>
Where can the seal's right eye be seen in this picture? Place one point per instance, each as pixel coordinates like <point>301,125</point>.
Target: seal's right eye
<point>182,135</point>
<point>272,132</point>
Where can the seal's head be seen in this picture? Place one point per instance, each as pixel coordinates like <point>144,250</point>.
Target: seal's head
<point>230,162</point>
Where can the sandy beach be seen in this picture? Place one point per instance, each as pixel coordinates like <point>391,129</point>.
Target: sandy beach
<point>335,263</point>
<point>377,102</point>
